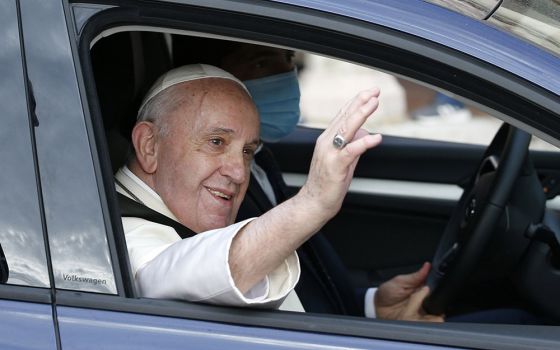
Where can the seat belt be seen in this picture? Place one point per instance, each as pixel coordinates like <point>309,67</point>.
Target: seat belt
<point>131,208</point>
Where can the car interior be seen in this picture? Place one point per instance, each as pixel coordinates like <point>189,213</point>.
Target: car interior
<point>495,246</point>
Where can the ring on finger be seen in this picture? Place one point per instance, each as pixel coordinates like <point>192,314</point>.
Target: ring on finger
<point>339,141</point>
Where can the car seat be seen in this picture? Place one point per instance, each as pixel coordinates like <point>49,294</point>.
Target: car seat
<point>125,65</point>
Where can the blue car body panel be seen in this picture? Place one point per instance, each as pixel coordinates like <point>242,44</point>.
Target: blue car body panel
<point>473,37</point>
<point>26,325</point>
<point>87,328</point>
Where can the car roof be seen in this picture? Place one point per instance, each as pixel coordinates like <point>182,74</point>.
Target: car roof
<point>470,36</point>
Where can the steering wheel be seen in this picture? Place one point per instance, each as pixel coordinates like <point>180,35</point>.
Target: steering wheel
<point>475,217</point>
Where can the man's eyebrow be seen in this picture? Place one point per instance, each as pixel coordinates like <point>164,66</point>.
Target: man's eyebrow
<point>255,142</point>
<point>264,52</point>
<point>219,130</point>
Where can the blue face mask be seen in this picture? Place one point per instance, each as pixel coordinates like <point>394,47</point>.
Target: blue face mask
<point>277,100</point>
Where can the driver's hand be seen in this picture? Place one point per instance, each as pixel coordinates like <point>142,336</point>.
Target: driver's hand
<point>401,297</point>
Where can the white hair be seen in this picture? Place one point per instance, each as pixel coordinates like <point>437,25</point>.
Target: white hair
<point>164,96</point>
<point>157,109</point>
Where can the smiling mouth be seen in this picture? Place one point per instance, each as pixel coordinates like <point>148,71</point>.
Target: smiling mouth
<point>219,194</point>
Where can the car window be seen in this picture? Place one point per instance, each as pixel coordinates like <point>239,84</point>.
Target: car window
<point>406,108</point>
<point>77,231</point>
<point>21,234</point>
<point>132,77</point>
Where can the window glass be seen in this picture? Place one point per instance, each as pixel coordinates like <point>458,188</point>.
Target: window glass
<point>21,234</point>
<point>74,218</point>
<point>405,108</point>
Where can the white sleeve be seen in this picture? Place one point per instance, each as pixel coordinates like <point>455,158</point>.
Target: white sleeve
<point>369,304</point>
<point>196,268</point>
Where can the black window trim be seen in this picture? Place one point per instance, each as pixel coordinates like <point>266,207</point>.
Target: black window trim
<point>100,156</point>
<point>16,292</point>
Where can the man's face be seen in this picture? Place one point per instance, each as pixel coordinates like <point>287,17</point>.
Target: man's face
<point>203,161</point>
<point>249,61</point>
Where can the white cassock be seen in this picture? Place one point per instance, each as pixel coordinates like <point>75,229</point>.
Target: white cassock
<point>196,268</point>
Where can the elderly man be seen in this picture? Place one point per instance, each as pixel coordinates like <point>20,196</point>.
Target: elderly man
<point>194,141</point>
<point>270,76</point>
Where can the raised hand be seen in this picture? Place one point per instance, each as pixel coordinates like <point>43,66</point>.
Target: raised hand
<point>337,152</point>
<point>271,238</point>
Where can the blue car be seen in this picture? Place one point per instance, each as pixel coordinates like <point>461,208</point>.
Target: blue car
<point>467,176</point>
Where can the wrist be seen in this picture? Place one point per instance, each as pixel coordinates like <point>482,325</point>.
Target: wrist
<point>314,202</point>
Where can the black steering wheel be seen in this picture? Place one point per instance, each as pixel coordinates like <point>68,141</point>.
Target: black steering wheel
<point>475,217</point>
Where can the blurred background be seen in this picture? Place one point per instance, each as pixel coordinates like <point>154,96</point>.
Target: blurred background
<point>406,108</point>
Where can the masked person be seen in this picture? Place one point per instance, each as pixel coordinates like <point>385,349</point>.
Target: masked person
<point>277,100</point>
<point>271,77</point>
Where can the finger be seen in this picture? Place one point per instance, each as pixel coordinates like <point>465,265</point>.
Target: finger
<point>365,104</point>
<point>418,297</point>
<point>354,116</point>
<point>413,309</point>
<point>351,105</point>
<point>415,279</point>
<point>419,277</point>
<point>432,318</point>
<point>361,144</point>
<point>360,99</point>
<point>341,113</point>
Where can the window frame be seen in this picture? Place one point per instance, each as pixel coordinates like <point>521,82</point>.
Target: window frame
<point>32,293</point>
<point>346,34</point>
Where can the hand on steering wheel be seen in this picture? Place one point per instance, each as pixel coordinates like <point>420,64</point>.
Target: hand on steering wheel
<point>401,297</point>
<point>475,217</point>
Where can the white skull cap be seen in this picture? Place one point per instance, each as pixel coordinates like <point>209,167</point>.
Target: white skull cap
<point>187,73</point>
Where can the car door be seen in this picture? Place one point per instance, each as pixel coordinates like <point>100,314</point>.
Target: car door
<point>25,298</point>
<point>96,305</point>
<point>96,302</point>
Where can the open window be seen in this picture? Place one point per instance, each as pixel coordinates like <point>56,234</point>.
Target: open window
<point>405,191</point>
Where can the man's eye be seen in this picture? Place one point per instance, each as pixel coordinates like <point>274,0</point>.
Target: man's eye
<point>249,153</point>
<point>290,57</point>
<point>216,142</point>
<point>260,64</point>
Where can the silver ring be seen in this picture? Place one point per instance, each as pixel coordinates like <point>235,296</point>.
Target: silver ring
<point>339,142</point>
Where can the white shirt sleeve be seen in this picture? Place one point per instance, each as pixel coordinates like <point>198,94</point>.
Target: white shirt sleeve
<point>196,268</point>
<point>369,305</point>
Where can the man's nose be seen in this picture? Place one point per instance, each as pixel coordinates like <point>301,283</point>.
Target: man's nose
<point>235,167</point>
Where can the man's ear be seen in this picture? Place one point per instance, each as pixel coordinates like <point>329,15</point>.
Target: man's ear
<point>144,140</point>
